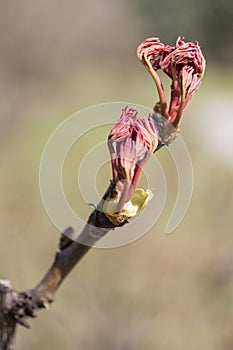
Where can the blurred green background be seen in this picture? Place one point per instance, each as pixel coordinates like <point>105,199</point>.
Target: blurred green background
<point>161,292</point>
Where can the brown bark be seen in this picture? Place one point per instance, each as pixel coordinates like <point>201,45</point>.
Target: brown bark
<point>17,307</point>
<point>7,321</point>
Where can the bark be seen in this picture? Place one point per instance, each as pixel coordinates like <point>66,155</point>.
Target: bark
<point>16,307</point>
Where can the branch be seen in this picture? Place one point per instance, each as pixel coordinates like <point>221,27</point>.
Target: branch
<point>17,307</point>
<point>69,254</point>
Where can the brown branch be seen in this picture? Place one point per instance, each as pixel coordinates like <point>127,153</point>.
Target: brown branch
<point>17,307</point>
<point>68,256</point>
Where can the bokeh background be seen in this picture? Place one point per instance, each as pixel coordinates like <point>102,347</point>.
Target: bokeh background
<point>161,292</point>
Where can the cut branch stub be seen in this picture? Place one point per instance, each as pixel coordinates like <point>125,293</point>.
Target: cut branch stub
<point>7,320</point>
